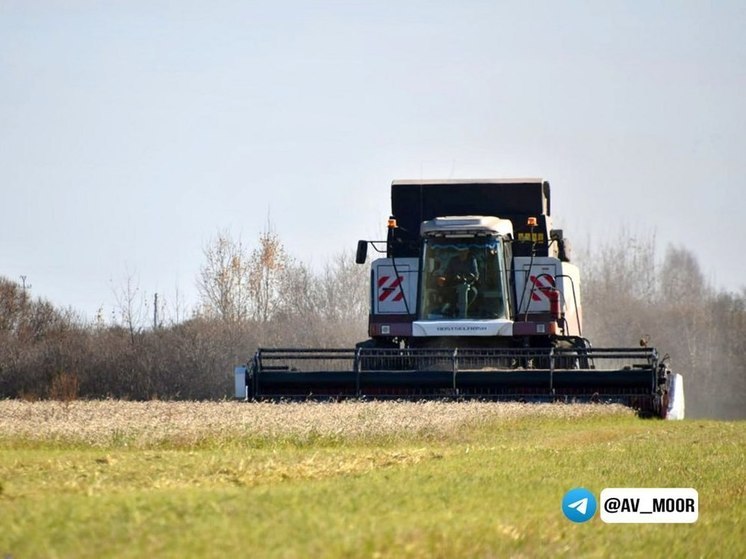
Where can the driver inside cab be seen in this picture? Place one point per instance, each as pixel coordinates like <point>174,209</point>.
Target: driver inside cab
<point>462,269</point>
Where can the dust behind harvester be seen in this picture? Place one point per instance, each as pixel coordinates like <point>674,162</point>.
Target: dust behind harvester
<point>473,296</point>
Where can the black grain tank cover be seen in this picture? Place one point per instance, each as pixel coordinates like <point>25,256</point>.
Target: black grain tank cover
<point>413,202</point>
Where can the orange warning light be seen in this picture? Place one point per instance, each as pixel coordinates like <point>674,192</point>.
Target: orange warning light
<point>531,222</point>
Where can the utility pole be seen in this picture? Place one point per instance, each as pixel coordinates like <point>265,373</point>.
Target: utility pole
<point>155,311</point>
<point>24,286</point>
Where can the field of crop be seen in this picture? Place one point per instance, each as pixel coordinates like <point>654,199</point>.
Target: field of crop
<point>434,479</point>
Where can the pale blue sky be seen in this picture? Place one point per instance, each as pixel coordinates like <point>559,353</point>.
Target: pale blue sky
<point>132,132</point>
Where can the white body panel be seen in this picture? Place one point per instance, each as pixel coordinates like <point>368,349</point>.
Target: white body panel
<point>240,379</point>
<point>497,327</point>
<point>467,226</point>
<point>676,398</point>
<point>395,285</point>
<point>532,277</point>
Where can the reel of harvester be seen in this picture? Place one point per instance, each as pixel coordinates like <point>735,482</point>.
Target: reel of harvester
<point>633,377</point>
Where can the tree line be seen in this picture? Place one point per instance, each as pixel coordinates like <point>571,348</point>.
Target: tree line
<point>260,296</point>
<point>630,296</point>
<point>249,298</point>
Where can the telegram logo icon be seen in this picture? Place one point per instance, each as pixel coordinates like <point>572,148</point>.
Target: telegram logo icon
<point>579,505</point>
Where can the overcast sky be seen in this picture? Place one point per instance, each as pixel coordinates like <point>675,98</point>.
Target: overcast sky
<point>132,132</point>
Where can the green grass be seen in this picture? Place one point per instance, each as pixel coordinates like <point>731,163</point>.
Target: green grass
<point>481,488</point>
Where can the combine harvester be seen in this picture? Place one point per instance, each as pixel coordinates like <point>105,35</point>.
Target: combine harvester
<point>475,298</point>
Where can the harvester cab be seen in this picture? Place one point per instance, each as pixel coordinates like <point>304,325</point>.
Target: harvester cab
<point>463,271</point>
<point>474,296</point>
<point>473,264</point>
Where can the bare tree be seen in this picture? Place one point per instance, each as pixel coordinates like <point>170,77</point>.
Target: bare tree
<point>299,288</point>
<point>269,262</point>
<point>686,307</point>
<point>14,306</point>
<point>681,279</point>
<point>224,281</point>
<point>345,289</point>
<point>619,288</point>
<point>131,311</point>
<point>174,310</point>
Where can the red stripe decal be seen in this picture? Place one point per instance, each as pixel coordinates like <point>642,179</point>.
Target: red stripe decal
<point>387,291</point>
